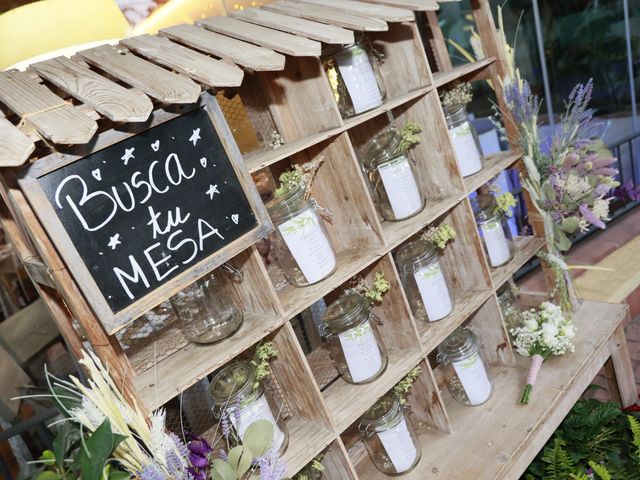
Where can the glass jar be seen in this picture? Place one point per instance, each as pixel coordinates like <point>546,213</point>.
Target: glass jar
<point>465,140</point>
<point>234,395</point>
<point>207,310</point>
<point>495,233</point>
<point>509,307</point>
<point>299,240</point>
<point>423,281</point>
<point>355,78</point>
<point>391,175</point>
<point>389,436</point>
<point>354,339</point>
<point>465,370</point>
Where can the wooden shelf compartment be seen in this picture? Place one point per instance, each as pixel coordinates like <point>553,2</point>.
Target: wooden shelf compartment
<point>493,165</point>
<point>467,72</point>
<point>499,439</point>
<point>524,248</point>
<point>399,336</point>
<point>336,463</point>
<point>161,377</point>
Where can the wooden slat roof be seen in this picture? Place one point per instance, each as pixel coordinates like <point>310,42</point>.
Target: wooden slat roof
<point>388,14</point>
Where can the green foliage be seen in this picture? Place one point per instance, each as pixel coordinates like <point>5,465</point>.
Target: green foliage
<point>379,288</point>
<point>312,471</point>
<point>594,436</point>
<point>264,353</point>
<point>289,181</point>
<point>409,134</point>
<point>440,236</point>
<point>504,202</point>
<point>403,387</point>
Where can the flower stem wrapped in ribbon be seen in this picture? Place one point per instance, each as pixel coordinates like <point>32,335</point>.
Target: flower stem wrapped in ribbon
<point>544,333</point>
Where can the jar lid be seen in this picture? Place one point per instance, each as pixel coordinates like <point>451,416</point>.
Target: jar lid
<point>485,207</point>
<point>232,382</point>
<point>347,311</point>
<point>383,147</point>
<point>460,344</point>
<point>284,207</point>
<point>415,254</point>
<point>383,411</point>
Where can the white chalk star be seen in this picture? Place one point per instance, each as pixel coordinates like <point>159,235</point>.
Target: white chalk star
<point>212,189</point>
<point>195,136</point>
<point>128,155</point>
<point>114,241</point>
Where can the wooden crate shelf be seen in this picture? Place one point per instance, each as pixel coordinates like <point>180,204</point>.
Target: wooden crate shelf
<point>305,442</point>
<point>493,165</point>
<point>499,439</point>
<point>524,248</point>
<point>467,72</point>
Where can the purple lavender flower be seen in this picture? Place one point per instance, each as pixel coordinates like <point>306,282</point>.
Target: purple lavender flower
<point>224,422</point>
<point>182,448</point>
<point>271,467</point>
<point>151,472</point>
<point>223,455</point>
<point>236,411</point>
<point>175,464</point>
<point>591,217</point>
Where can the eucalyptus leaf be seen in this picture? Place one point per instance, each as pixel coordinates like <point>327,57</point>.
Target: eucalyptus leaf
<point>549,192</point>
<point>222,470</point>
<point>259,437</point>
<point>562,241</point>
<point>233,458</point>
<point>245,462</point>
<point>570,225</point>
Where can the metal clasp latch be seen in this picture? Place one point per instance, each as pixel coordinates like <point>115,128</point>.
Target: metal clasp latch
<point>236,274</point>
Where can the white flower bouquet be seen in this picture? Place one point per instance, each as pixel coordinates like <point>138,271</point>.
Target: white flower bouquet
<point>543,333</point>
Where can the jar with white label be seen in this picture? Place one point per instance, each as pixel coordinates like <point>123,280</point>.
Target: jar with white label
<point>207,310</point>
<point>354,78</point>
<point>390,437</point>
<point>299,240</point>
<point>392,177</point>
<point>354,340</point>
<point>494,231</point>
<point>465,370</point>
<point>464,139</point>
<point>423,281</point>
<point>511,311</point>
<point>235,397</point>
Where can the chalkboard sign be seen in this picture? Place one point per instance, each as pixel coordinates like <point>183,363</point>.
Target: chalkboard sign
<point>142,212</point>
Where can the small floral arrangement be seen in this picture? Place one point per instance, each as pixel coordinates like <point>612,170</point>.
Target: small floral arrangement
<point>312,471</point>
<point>374,292</point>
<point>440,236</point>
<point>458,96</point>
<point>410,135</point>
<point>403,387</point>
<point>263,354</point>
<point>504,203</point>
<point>300,176</point>
<point>544,332</point>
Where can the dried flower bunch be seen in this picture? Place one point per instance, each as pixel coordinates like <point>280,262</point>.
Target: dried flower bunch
<point>440,236</point>
<point>263,354</point>
<point>300,176</point>
<point>460,95</point>
<point>312,471</point>
<point>403,387</point>
<point>409,135</point>
<point>373,292</point>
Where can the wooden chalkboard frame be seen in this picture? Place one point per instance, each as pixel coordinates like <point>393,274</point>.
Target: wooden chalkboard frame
<point>112,322</point>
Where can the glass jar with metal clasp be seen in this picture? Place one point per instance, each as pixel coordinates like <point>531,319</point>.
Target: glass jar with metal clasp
<point>465,370</point>
<point>299,240</point>
<point>511,311</point>
<point>464,139</point>
<point>354,78</point>
<point>390,437</point>
<point>495,233</point>
<point>392,177</point>
<point>354,340</point>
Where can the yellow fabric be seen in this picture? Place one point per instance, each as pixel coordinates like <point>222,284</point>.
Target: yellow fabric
<point>48,25</point>
<point>179,11</point>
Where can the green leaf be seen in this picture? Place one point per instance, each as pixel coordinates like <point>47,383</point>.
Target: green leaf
<point>245,462</point>
<point>562,241</point>
<point>222,470</point>
<point>233,458</point>
<point>118,475</point>
<point>570,225</point>
<point>63,401</point>
<point>549,192</point>
<point>98,450</point>
<point>48,457</point>
<point>259,437</point>
<point>600,470</point>
<point>48,475</point>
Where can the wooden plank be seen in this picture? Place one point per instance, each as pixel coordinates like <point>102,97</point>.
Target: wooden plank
<point>524,248</point>
<point>341,19</point>
<point>437,42</point>
<point>200,67</point>
<point>155,81</point>
<point>468,72</point>
<point>53,118</point>
<point>115,102</point>
<point>266,37</point>
<point>623,368</point>
<point>15,146</point>
<point>299,26</point>
<point>493,165</point>
<point>417,5</point>
<point>244,54</point>
<point>388,14</point>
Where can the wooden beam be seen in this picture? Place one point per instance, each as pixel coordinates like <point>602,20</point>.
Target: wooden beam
<point>417,5</point>
<point>383,12</point>
<point>15,146</point>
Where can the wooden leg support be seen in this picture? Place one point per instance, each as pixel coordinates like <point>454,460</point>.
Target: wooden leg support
<point>622,368</point>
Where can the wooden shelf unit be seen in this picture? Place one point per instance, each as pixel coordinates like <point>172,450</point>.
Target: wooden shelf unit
<point>290,95</point>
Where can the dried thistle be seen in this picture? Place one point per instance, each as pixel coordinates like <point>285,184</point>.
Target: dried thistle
<point>262,356</point>
<point>440,235</point>
<point>409,134</point>
<point>373,292</point>
<point>300,176</point>
<point>403,387</point>
<point>458,96</point>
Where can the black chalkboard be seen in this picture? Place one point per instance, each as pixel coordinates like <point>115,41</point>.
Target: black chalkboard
<point>146,209</point>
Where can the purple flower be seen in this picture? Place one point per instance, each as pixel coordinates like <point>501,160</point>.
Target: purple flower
<point>223,455</point>
<point>151,472</point>
<point>271,467</point>
<point>175,464</point>
<point>182,448</point>
<point>200,447</point>
<point>224,421</point>
<point>196,473</point>
<point>627,192</point>
<point>591,217</point>
<point>198,461</point>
